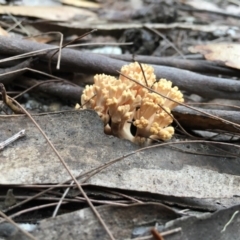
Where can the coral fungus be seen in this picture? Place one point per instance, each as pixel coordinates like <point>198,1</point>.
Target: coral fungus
<point>123,104</point>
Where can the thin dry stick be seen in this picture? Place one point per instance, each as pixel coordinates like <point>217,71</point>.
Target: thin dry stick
<point>12,139</point>
<point>172,231</point>
<point>81,106</point>
<point>29,54</point>
<point>13,27</point>
<point>75,45</point>
<point>76,200</point>
<point>68,170</point>
<point>99,44</point>
<point>40,72</point>
<point>143,73</point>
<point>60,44</point>
<point>229,222</point>
<point>217,104</point>
<point>61,47</point>
<point>61,200</point>
<point>177,122</point>
<point>163,37</point>
<point>34,209</point>
<point>205,154</point>
<point>34,197</point>
<point>124,195</point>
<point>18,23</point>
<point>34,86</point>
<point>60,51</point>
<point>17,214</point>
<point>46,198</point>
<point>56,203</point>
<point>44,51</point>
<point>33,186</point>
<point>156,234</point>
<point>20,229</point>
<point>111,203</point>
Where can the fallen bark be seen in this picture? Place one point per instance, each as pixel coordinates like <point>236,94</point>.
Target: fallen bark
<point>194,120</point>
<point>206,86</point>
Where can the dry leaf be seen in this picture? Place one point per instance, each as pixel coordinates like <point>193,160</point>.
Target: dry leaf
<point>54,13</point>
<point>81,3</point>
<point>227,53</point>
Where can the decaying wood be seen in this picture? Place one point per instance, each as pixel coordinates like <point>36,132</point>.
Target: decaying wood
<point>211,87</point>
<point>191,119</point>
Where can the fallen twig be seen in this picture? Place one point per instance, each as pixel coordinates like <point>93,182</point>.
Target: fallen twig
<point>12,139</point>
<point>211,87</point>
